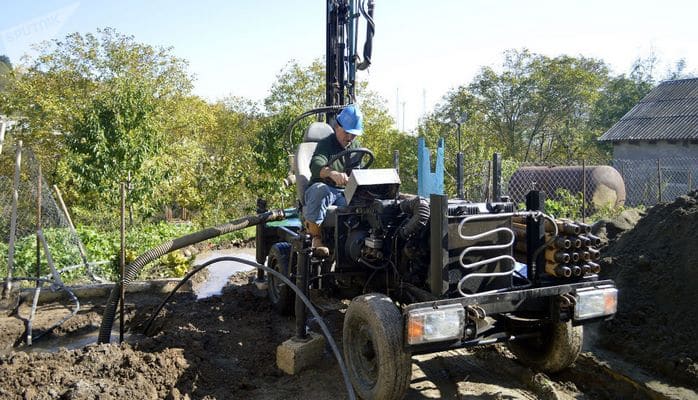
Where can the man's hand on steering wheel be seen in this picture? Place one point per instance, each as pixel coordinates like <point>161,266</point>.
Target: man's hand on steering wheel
<point>351,158</point>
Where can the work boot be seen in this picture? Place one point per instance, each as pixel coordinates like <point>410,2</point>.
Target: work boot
<point>319,249</point>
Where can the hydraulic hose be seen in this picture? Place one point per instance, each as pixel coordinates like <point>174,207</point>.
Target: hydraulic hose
<point>418,208</point>
<point>370,30</point>
<point>169,246</point>
<point>286,281</point>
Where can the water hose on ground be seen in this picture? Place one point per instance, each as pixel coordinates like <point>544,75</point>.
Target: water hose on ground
<point>285,280</point>
<point>169,246</point>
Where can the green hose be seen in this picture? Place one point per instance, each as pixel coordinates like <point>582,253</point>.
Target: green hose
<point>169,246</point>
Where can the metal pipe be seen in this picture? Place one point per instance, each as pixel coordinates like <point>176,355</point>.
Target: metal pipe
<point>496,177</point>
<point>557,270</point>
<point>459,174</point>
<point>557,256</point>
<point>396,160</point>
<point>584,190</point>
<point>13,222</point>
<point>81,247</point>
<point>60,287</point>
<point>122,262</point>
<point>595,268</point>
<point>37,289</point>
<point>302,282</point>
<point>659,181</point>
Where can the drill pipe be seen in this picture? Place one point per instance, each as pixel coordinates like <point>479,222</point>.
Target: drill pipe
<point>595,254</point>
<point>594,240</point>
<point>584,255</point>
<point>557,256</point>
<point>576,241</point>
<point>595,268</point>
<point>574,256</point>
<point>586,269</point>
<point>586,228</point>
<point>560,271</point>
<point>586,242</point>
<point>562,226</point>
<point>576,270</point>
<point>559,242</point>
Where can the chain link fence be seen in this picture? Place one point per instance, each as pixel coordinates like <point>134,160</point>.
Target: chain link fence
<point>649,182</point>
<point>19,222</point>
<point>590,182</point>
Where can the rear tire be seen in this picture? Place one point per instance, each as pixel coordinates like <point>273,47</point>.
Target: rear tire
<point>378,365</point>
<point>281,296</point>
<point>555,349</point>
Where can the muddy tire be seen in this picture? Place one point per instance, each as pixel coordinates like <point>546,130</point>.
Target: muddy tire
<point>281,296</point>
<point>372,337</point>
<point>555,349</point>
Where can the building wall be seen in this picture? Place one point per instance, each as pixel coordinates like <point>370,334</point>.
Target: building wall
<point>661,149</point>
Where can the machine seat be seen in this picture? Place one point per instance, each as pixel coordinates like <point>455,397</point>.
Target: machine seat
<point>315,132</point>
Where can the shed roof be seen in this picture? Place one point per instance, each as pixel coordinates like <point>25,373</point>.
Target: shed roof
<point>668,112</point>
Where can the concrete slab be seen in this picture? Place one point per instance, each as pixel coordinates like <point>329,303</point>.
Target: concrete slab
<point>293,356</point>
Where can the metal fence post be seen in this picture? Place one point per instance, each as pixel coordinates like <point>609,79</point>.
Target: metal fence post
<point>659,181</point>
<point>13,222</point>
<point>584,190</point>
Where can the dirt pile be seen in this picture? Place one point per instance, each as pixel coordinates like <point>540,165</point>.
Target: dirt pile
<point>655,266</point>
<point>91,373</point>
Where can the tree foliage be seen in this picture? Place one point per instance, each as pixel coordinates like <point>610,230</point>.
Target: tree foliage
<point>102,100</point>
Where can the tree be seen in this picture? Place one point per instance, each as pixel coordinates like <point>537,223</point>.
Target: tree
<point>5,69</point>
<point>537,106</point>
<point>102,100</point>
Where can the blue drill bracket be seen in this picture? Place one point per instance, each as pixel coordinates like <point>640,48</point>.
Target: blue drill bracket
<point>430,182</point>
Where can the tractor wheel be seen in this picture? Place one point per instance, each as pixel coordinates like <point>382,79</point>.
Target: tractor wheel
<point>378,365</point>
<point>282,297</point>
<point>555,349</point>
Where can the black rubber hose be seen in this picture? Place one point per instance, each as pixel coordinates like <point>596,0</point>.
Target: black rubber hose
<point>370,30</point>
<point>319,110</point>
<point>171,245</point>
<point>290,284</point>
<point>418,208</point>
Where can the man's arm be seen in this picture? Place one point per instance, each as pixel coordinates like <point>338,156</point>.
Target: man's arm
<point>318,169</point>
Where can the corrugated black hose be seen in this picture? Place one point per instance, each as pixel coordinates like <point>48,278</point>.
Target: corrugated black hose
<point>418,208</point>
<point>169,246</point>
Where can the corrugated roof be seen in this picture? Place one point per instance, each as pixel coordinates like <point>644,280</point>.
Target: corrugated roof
<point>668,112</point>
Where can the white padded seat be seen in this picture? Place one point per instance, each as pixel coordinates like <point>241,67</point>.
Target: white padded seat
<point>315,132</point>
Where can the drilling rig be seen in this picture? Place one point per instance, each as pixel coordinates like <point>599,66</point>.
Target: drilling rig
<point>426,274</point>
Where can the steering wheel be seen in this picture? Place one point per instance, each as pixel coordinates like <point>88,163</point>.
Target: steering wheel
<point>353,158</point>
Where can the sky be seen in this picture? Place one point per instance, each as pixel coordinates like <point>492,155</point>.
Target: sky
<point>421,49</point>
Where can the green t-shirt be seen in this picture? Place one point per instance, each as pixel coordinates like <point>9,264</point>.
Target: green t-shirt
<point>325,150</point>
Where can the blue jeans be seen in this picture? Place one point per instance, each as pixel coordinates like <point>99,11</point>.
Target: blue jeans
<point>318,197</point>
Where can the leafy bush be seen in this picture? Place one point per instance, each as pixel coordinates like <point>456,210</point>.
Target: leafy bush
<point>565,205</point>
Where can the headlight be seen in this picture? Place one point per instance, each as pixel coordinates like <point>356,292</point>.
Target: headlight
<point>434,325</point>
<point>596,303</point>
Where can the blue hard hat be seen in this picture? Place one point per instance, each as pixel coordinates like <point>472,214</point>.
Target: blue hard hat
<point>351,120</point>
